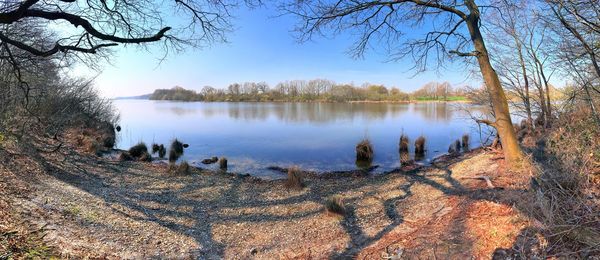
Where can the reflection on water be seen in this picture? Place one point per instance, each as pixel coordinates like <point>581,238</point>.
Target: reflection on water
<point>317,136</point>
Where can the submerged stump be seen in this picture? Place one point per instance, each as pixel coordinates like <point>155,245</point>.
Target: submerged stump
<point>364,154</point>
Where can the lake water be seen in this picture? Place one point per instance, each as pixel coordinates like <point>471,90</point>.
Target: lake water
<point>313,136</point>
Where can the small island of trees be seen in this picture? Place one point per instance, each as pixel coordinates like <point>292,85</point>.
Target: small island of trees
<point>319,90</point>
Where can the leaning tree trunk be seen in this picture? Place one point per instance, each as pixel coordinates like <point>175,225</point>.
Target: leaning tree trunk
<point>503,122</point>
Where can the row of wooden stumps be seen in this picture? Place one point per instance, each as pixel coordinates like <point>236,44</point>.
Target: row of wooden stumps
<point>365,152</point>
<point>457,146</point>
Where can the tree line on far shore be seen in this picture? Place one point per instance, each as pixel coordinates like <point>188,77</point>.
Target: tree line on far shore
<point>313,90</point>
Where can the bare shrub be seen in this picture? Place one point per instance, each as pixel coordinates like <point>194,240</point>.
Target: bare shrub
<point>567,183</point>
<point>294,179</point>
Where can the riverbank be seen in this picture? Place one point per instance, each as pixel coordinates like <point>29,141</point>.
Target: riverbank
<point>319,101</point>
<point>95,207</point>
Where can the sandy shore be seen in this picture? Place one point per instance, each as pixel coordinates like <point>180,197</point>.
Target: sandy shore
<point>90,207</point>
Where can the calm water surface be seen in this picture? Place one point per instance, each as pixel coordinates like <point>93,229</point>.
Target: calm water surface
<point>315,136</point>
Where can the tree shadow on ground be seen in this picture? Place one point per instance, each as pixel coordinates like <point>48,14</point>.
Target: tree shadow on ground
<point>122,184</point>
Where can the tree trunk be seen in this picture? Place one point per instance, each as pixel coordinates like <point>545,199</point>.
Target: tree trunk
<point>503,124</point>
<point>526,80</point>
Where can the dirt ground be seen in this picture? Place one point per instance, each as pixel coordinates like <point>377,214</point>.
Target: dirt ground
<point>100,208</point>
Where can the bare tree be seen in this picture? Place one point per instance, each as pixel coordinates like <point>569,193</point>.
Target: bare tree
<point>89,26</point>
<point>455,32</point>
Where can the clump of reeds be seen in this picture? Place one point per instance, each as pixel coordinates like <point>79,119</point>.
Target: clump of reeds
<point>155,148</point>
<point>162,151</point>
<point>223,163</point>
<point>403,144</point>
<point>420,146</point>
<point>176,150</point>
<point>294,179</point>
<point>465,142</point>
<point>137,150</point>
<point>364,151</point>
<point>335,205</point>
<point>454,147</point>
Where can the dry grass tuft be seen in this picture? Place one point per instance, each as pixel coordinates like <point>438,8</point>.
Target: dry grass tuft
<point>335,205</point>
<point>162,151</point>
<point>183,168</point>
<point>138,150</point>
<point>364,151</point>
<point>155,148</point>
<point>294,179</point>
<point>175,151</point>
<point>403,144</point>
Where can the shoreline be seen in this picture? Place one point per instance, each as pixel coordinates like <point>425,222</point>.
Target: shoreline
<point>310,101</point>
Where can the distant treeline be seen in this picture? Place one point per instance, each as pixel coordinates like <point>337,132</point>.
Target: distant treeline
<point>312,90</point>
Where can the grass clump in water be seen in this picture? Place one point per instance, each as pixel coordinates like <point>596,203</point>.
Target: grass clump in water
<point>420,146</point>
<point>364,151</point>
<point>465,142</point>
<point>223,163</point>
<point>175,151</point>
<point>138,150</point>
<point>403,144</point>
<point>454,148</point>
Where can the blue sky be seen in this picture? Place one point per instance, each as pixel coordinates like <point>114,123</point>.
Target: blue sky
<point>260,48</point>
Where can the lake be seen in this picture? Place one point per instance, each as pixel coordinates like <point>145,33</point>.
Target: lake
<point>313,136</point>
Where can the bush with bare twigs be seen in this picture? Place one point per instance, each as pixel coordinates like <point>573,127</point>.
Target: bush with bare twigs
<point>567,183</point>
